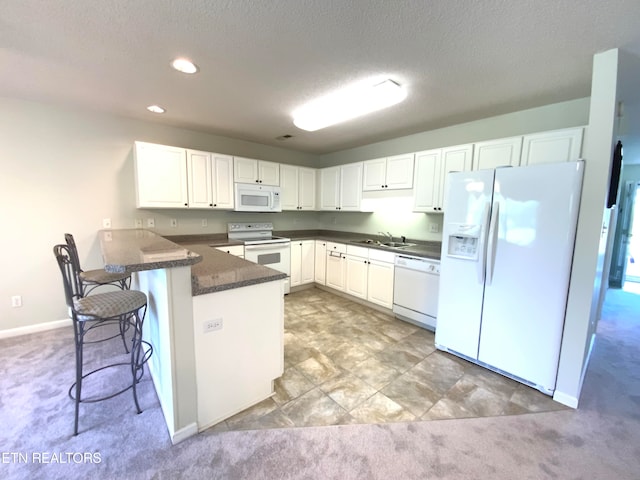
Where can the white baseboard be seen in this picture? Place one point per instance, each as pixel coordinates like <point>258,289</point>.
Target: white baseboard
<point>563,398</point>
<point>40,327</point>
<point>184,433</point>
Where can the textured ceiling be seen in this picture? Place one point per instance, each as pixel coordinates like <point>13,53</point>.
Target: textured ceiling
<point>460,60</point>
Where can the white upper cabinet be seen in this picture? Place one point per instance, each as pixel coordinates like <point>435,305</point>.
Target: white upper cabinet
<point>351,186</point>
<point>210,180</point>
<point>298,187</point>
<point>426,192</point>
<point>391,173</point>
<point>432,167</point>
<point>341,187</point>
<point>504,152</point>
<point>554,146</point>
<point>249,170</point>
<point>161,176</point>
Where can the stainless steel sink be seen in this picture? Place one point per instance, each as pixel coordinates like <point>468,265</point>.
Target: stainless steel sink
<point>383,244</point>
<point>397,244</point>
<point>366,241</point>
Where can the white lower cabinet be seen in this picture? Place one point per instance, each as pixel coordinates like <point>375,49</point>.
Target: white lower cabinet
<point>320,271</point>
<point>357,271</point>
<point>336,266</point>
<point>365,273</point>
<point>302,262</point>
<point>380,278</point>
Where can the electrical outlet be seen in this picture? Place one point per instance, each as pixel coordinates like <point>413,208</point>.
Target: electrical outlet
<point>16,301</point>
<point>106,223</point>
<point>204,222</point>
<point>173,222</point>
<point>138,223</point>
<point>151,223</point>
<point>212,325</point>
<point>433,228</point>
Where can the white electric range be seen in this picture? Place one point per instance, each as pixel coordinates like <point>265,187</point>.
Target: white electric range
<point>262,247</point>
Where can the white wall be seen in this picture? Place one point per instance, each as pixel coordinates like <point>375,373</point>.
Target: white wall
<point>614,74</point>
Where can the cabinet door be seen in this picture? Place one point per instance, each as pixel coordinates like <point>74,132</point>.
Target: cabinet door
<point>497,153</point>
<point>454,159</point>
<point>245,170</point>
<point>357,276</point>
<point>161,176</point>
<point>199,179</point>
<point>556,146</point>
<point>289,187</point>
<point>306,188</point>
<point>336,270</point>
<point>330,188</point>
<point>222,181</point>
<point>426,192</point>
<point>351,186</point>
<point>399,172</point>
<point>269,173</point>
<point>380,283</point>
<point>307,261</point>
<point>321,262</point>
<point>374,174</point>
<point>296,265</point>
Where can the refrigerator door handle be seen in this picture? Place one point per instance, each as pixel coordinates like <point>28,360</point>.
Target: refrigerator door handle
<point>482,260</point>
<point>493,241</point>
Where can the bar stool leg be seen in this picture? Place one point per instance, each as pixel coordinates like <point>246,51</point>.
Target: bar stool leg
<point>79,333</point>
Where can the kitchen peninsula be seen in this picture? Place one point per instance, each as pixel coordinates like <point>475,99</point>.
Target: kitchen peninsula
<point>216,323</point>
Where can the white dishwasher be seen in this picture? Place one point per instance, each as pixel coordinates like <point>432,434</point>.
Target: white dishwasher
<point>415,290</point>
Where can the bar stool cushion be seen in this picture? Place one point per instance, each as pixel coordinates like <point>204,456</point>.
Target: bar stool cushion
<point>101,276</point>
<point>109,305</point>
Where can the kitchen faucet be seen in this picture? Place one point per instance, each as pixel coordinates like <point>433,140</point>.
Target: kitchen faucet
<point>387,235</point>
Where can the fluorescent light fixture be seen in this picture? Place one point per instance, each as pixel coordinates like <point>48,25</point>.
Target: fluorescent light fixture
<point>156,109</point>
<point>352,102</point>
<point>184,65</point>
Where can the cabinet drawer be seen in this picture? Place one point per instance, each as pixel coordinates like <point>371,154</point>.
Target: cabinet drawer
<point>382,255</point>
<point>237,250</point>
<point>358,251</point>
<point>336,247</point>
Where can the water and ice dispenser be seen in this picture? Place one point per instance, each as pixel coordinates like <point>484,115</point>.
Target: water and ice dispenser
<point>464,241</point>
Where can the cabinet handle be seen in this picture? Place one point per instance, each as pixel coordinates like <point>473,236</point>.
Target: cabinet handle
<point>211,204</point>
<point>215,204</point>
<point>257,180</point>
<point>186,204</point>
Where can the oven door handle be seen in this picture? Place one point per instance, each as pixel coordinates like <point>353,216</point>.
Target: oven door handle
<point>266,246</point>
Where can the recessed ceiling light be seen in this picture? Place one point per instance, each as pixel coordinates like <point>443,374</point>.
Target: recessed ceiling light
<point>351,102</point>
<point>184,65</point>
<point>156,109</point>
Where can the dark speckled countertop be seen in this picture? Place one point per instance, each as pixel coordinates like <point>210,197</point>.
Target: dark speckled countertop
<point>421,248</point>
<point>221,271</point>
<point>135,250</point>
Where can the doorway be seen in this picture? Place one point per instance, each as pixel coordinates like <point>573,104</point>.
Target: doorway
<point>631,239</point>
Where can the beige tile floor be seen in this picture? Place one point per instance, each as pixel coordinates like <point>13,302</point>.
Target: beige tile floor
<point>347,363</point>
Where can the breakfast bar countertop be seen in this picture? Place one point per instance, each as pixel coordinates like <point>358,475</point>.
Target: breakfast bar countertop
<point>135,250</point>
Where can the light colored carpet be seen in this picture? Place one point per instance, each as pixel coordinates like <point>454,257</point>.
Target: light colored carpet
<point>600,440</point>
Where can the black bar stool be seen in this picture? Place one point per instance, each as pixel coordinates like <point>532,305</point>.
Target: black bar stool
<point>91,279</point>
<point>89,312</point>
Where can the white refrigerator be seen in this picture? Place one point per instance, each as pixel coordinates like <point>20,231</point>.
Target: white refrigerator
<point>507,250</point>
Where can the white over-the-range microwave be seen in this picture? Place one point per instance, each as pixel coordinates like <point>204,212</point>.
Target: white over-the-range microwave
<point>257,198</point>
